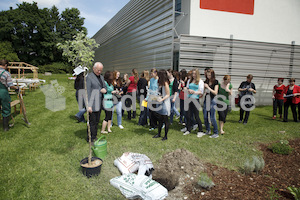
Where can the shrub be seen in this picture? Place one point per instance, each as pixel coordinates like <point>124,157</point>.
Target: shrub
<point>249,166</point>
<point>56,68</point>
<point>295,192</point>
<point>281,147</point>
<point>255,165</point>
<point>205,181</point>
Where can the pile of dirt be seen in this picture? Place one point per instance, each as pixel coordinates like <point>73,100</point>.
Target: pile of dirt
<point>280,172</point>
<point>177,169</point>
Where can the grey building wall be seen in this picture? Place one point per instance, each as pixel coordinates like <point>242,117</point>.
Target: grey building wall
<point>238,58</point>
<point>139,36</point>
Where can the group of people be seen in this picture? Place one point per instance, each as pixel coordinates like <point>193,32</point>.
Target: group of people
<point>156,92</point>
<point>286,96</point>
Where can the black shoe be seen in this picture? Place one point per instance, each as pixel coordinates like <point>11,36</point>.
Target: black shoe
<point>164,138</point>
<point>78,119</point>
<point>156,136</point>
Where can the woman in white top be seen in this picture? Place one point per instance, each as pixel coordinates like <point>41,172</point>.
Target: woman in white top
<point>195,92</point>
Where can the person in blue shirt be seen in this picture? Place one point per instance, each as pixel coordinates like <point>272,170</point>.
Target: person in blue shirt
<point>151,96</point>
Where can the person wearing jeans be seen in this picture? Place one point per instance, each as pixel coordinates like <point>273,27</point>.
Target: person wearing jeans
<point>173,86</point>
<point>209,107</point>
<point>195,91</point>
<point>212,87</point>
<point>118,86</point>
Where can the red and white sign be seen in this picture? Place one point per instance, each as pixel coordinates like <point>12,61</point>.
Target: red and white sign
<point>236,6</point>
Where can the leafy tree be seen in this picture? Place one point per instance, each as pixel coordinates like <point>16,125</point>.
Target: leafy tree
<point>7,52</point>
<point>70,24</point>
<point>34,32</point>
<point>80,51</point>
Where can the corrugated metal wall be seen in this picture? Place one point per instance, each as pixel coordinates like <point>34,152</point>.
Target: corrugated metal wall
<point>238,58</point>
<point>139,36</point>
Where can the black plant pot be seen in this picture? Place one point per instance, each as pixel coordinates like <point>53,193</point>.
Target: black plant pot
<point>90,171</point>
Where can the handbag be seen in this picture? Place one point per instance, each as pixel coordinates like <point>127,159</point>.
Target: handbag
<point>119,97</point>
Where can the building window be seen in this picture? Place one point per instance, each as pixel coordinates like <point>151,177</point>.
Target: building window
<point>177,7</point>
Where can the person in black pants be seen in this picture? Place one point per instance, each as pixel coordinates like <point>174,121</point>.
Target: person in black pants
<point>142,87</point>
<point>291,95</point>
<point>278,98</point>
<point>246,89</point>
<point>95,85</point>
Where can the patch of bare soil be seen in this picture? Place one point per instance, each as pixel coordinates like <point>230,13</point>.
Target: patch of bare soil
<point>179,171</point>
<point>280,172</point>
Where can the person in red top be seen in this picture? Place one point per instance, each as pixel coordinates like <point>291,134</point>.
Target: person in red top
<point>291,98</point>
<point>278,98</point>
<point>131,90</point>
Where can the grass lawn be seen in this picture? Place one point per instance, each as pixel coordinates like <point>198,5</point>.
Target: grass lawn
<point>42,162</point>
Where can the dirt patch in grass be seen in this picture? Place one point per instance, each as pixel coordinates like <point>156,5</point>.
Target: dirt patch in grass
<point>280,172</point>
<point>179,171</point>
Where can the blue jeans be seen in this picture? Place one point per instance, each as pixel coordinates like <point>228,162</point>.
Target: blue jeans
<point>119,112</point>
<point>80,115</point>
<point>212,112</point>
<point>173,111</point>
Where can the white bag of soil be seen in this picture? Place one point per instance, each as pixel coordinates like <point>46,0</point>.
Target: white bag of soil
<point>131,162</point>
<point>134,186</point>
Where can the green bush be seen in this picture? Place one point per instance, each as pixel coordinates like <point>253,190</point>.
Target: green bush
<point>295,192</point>
<point>255,165</point>
<point>56,68</point>
<point>281,147</point>
<point>205,181</point>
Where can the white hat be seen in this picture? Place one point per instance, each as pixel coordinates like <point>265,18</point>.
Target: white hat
<point>78,70</point>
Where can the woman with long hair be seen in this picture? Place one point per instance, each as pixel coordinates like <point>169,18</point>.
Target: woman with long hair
<point>212,87</point>
<point>108,102</point>
<point>182,84</point>
<point>131,90</point>
<point>195,91</point>
<point>225,89</point>
<point>173,86</point>
<point>151,95</point>
<point>117,83</point>
<point>291,98</point>
<point>278,98</point>
<point>164,107</point>
<point>142,87</point>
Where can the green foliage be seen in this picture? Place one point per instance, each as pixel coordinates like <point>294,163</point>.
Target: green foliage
<point>56,68</point>
<point>35,32</point>
<point>205,181</point>
<point>7,52</point>
<point>272,194</point>
<point>281,147</point>
<point>249,166</point>
<point>255,165</point>
<point>295,192</point>
<point>80,50</point>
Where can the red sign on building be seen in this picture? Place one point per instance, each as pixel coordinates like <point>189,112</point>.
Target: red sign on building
<point>236,6</point>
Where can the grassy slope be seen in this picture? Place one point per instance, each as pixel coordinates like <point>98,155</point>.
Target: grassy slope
<point>42,162</point>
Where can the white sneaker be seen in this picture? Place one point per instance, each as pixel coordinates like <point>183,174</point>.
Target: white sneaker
<point>195,127</point>
<point>184,129</point>
<point>200,134</point>
<point>121,127</point>
<point>186,133</point>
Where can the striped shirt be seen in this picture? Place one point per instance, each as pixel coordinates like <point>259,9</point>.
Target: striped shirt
<point>5,79</point>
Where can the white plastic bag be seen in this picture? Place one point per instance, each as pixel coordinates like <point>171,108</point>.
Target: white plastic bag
<point>134,186</point>
<point>131,162</point>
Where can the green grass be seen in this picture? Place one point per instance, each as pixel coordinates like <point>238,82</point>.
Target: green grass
<point>42,162</point>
